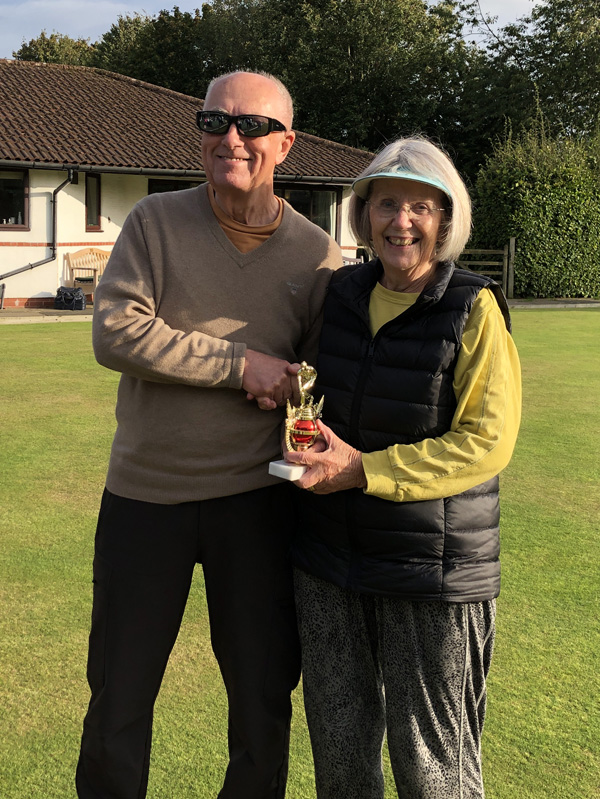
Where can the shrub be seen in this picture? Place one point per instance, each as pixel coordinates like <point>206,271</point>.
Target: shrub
<point>546,193</point>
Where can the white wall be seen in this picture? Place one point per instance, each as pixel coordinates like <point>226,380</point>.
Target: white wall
<point>19,248</point>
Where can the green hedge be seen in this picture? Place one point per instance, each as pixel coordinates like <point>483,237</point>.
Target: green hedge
<point>545,193</point>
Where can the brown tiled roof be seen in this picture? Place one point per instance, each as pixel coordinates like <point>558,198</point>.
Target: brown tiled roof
<point>78,116</point>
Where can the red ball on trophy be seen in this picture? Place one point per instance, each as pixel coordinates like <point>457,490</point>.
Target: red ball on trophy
<point>303,433</point>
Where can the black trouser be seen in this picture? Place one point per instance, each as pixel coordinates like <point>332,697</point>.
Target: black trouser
<point>144,560</point>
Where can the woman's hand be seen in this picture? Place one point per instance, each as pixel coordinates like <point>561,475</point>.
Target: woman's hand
<point>332,464</point>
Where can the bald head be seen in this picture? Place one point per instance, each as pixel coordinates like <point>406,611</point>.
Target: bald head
<point>259,83</point>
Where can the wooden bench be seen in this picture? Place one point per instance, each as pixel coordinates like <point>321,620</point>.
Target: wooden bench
<point>85,267</point>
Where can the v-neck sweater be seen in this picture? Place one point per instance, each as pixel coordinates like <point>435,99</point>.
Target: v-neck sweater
<point>245,237</point>
<point>177,306</point>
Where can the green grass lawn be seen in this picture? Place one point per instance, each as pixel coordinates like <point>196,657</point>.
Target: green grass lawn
<point>542,735</point>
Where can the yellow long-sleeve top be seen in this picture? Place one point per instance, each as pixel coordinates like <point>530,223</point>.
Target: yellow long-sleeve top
<point>482,436</point>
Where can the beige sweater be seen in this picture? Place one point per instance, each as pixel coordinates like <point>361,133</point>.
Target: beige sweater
<point>174,312</point>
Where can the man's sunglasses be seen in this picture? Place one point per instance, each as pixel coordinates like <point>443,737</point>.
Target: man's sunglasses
<point>247,124</point>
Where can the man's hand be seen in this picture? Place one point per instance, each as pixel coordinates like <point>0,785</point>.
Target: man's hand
<point>332,464</point>
<point>271,381</point>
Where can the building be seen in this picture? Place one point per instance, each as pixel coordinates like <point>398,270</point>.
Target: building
<point>80,146</point>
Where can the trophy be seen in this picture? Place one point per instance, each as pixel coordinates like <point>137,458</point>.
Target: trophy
<point>300,425</point>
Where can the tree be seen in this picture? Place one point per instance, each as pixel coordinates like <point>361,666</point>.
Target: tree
<point>116,50</point>
<point>55,49</point>
<point>360,71</point>
<point>168,51</point>
<point>177,49</point>
<point>550,58</point>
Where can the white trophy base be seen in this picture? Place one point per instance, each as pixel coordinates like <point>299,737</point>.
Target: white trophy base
<point>288,471</point>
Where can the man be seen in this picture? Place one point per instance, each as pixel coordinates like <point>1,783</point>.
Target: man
<point>211,297</point>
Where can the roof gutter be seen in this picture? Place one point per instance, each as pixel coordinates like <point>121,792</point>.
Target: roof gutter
<point>52,255</point>
<point>180,173</point>
<point>123,170</point>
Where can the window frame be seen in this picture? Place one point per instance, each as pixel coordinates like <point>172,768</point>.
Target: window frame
<point>188,183</point>
<point>314,188</point>
<point>24,226</point>
<point>95,178</point>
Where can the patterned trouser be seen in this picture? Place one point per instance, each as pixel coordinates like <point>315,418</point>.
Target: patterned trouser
<point>416,668</point>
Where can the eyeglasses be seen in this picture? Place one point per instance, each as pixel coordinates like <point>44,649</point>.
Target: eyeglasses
<point>252,125</point>
<point>388,209</point>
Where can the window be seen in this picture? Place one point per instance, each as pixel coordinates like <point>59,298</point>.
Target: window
<point>92,202</point>
<point>14,197</point>
<point>155,185</point>
<point>318,205</point>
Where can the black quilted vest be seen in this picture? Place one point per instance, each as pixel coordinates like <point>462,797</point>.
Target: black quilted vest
<point>396,388</point>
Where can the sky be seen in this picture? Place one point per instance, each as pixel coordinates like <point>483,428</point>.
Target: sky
<point>89,19</point>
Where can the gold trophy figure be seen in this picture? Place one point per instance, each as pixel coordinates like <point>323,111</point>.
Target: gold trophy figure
<point>300,425</point>
<point>301,422</point>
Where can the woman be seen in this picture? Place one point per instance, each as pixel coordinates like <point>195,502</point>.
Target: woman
<point>397,556</point>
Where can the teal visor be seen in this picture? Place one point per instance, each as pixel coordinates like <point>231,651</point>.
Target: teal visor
<point>361,185</point>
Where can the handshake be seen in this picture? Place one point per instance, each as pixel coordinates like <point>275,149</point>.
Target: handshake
<point>270,381</point>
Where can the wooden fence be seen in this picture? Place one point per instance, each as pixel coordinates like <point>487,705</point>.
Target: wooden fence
<point>499,264</point>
